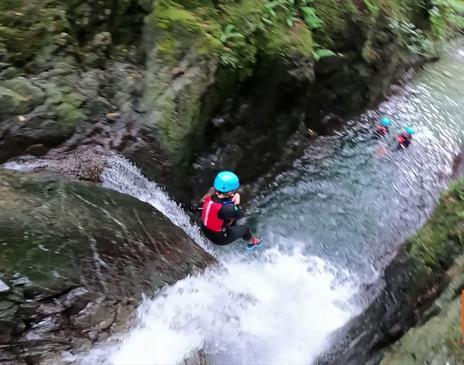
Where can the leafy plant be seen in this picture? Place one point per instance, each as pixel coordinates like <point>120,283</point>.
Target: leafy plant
<point>310,17</point>
<point>446,14</point>
<point>373,8</point>
<point>229,59</point>
<point>320,52</point>
<point>230,33</point>
<point>413,38</point>
<point>291,10</point>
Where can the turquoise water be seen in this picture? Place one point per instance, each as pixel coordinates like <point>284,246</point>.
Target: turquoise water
<point>330,224</point>
<point>352,199</point>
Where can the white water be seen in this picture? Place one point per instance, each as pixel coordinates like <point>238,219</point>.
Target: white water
<point>270,307</point>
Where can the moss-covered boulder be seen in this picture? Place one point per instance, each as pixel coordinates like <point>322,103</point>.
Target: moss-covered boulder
<point>74,261</point>
<point>19,96</point>
<point>64,64</point>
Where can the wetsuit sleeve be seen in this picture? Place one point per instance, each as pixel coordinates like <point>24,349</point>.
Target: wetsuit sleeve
<point>229,212</point>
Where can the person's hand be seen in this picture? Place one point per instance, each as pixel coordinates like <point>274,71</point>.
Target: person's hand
<point>236,199</point>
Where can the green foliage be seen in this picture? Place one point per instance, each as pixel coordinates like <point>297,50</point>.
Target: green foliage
<point>443,231</point>
<point>446,15</point>
<point>237,31</point>
<point>310,17</point>
<point>230,33</point>
<point>291,10</point>
<point>412,38</point>
<point>372,6</point>
<point>322,52</point>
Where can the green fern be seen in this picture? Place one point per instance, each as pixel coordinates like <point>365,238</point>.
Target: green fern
<point>311,18</point>
<point>321,53</point>
<point>230,33</point>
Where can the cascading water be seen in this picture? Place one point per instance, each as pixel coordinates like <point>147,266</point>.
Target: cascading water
<point>271,307</point>
<point>346,204</point>
<point>124,177</point>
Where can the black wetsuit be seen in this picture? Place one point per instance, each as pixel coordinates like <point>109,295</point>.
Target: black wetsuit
<point>234,225</point>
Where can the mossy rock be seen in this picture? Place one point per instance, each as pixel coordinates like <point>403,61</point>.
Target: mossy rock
<point>435,343</point>
<point>19,96</point>
<point>27,25</point>
<point>443,235</point>
<point>438,340</point>
<point>65,104</point>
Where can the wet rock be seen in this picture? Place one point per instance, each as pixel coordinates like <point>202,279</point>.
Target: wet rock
<point>46,326</point>
<point>19,96</point>
<point>438,339</point>
<point>198,358</point>
<point>50,308</point>
<point>85,165</point>
<point>77,299</point>
<point>8,314</point>
<point>91,253</point>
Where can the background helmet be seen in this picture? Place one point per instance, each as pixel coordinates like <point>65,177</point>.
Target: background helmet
<point>226,181</point>
<point>386,122</point>
<point>410,131</point>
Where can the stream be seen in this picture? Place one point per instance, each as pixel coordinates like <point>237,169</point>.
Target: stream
<point>330,224</point>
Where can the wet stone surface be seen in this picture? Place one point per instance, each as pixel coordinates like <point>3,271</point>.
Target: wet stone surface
<point>75,260</point>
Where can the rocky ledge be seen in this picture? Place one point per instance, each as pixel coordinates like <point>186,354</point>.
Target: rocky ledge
<point>75,260</point>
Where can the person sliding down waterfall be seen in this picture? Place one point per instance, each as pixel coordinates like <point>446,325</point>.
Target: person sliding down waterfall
<point>221,217</point>
<point>383,128</point>
<point>405,138</point>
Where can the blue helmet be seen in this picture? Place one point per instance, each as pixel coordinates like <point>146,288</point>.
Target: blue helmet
<point>386,122</point>
<point>226,181</point>
<point>410,131</point>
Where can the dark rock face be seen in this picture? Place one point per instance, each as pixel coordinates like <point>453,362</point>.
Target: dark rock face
<point>148,80</point>
<point>252,130</point>
<point>75,260</point>
<point>437,339</point>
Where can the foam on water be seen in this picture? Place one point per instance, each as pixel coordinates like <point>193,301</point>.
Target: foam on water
<point>270,308</point>
<point>278,310</point>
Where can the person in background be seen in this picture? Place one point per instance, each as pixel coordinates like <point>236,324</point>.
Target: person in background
<point>221,217</point>
<point>383,128</point>
<point>404,139</point>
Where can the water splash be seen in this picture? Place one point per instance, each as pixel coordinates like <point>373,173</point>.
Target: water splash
<point>275,307</point>
<point>26,165</point>
<point>278,310</point>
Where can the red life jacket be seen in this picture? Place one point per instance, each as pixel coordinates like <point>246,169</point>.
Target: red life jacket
<point>403,139</point>
<point>209,215</point>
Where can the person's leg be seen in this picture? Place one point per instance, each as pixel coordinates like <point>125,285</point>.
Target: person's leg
<point>217,238</point>
<point>230,235</point>
<point>236,232</point>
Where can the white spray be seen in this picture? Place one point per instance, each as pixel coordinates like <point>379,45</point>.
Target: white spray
<point>271,307</point>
